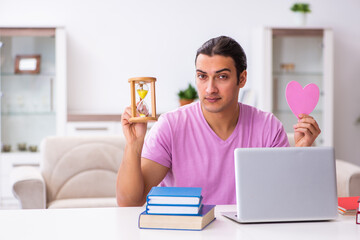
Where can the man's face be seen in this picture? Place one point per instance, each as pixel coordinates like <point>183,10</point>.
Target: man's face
<point>216,81</point>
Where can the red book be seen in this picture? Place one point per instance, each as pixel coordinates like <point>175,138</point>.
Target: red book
<point>358,213</point>
<point>348,205</point>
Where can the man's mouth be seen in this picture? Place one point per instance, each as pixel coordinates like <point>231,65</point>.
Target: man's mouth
<point>212,99</point>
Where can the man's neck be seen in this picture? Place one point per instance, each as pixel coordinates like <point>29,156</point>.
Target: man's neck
<point>223,123</point>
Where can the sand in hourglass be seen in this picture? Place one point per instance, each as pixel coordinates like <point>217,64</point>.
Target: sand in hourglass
<point>141,106</point>
<point>142,93</point>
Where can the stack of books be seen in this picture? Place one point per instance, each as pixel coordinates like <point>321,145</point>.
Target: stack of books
<point>348,205</point>
<point>176,208</point>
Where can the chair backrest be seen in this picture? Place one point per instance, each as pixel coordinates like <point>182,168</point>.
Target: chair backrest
<point>81,167</point>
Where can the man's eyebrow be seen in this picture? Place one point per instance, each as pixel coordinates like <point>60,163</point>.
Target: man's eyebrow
<point>221,70</point>
<point>224,69</point>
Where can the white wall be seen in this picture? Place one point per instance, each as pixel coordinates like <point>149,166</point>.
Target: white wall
<point>110,41</point>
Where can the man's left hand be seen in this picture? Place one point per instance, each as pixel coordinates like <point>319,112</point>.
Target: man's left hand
<point>306,131</point>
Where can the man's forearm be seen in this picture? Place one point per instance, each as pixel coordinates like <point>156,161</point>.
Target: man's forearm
<point>130,181</point>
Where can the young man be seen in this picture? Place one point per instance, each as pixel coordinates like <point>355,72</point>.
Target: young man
<point>193,146</point>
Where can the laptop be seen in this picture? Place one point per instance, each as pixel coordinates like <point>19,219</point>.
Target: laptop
<point>285,184</point>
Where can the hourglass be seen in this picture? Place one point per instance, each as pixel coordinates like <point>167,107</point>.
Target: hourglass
<point>139,89</point>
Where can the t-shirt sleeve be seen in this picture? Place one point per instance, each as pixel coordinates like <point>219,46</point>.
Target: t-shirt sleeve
<point>158,144</point>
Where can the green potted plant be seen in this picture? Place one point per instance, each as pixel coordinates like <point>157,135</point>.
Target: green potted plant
<point>300,10</point>
<point>188,95</point>
<point>301,7</point>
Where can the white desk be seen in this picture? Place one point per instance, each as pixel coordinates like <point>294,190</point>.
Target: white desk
<point>121,223</point>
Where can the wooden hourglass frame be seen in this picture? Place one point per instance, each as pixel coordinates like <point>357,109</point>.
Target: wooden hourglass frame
<point>142,80</point>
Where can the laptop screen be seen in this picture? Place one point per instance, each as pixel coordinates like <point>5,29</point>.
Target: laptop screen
<point>285,184</point>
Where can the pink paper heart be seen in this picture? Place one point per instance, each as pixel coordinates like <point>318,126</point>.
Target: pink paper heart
<point>302,101</point>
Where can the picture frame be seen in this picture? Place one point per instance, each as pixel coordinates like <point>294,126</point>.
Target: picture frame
<point>27,64</point>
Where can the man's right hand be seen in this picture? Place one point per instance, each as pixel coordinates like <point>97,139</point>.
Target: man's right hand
<point>134,132</point>
<point>136,175</point>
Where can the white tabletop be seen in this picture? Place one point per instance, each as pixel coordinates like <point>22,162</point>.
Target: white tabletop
<point>122,223</point>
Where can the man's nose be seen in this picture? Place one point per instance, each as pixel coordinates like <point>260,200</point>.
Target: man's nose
<point>211,86</point>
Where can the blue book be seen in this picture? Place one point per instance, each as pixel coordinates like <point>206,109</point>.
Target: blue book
<point>174,209</point>
<point>174,196</point>
<point>178,222</point>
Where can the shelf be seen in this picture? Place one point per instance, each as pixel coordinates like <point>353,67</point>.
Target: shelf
<point>50,75</point>
<point>289,112</point>
<point>297,74</point>
<point>28,113</point>
<point>20,153</point>
<point>275,111</point>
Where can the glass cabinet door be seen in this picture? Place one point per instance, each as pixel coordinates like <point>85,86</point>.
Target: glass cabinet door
<point>28,82</point>
<point>296,56</point>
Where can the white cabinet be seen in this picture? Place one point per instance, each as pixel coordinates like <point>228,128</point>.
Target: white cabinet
<point>93,124</point>
<point>96,125</point>
<point>33,103</point>
<point>93,128</point>
<point>305,55</point>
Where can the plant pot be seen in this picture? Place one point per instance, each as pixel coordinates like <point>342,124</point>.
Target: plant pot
<point>33,148</point>
<point>185,101</point>
<point>6,148</point>
<point>21,147</point>
<point>300,18</point>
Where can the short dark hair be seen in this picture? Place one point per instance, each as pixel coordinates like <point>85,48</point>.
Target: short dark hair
<point>227,47</point>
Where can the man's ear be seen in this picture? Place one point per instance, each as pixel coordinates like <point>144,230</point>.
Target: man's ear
<point>243,78</point>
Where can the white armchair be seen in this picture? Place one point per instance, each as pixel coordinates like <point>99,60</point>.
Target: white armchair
<point>74,172</point>
<point>347,175</point>
<point>348,178</point>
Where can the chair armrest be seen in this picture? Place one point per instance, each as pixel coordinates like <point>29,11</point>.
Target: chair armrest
<point>348,178</point>
<point>28,187</point>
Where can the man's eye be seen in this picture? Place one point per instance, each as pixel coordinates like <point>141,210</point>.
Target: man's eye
<point>222,76</point>
<point>201,76</point>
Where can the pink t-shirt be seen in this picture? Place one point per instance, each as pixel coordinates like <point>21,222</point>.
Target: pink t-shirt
<point>183,141</point>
